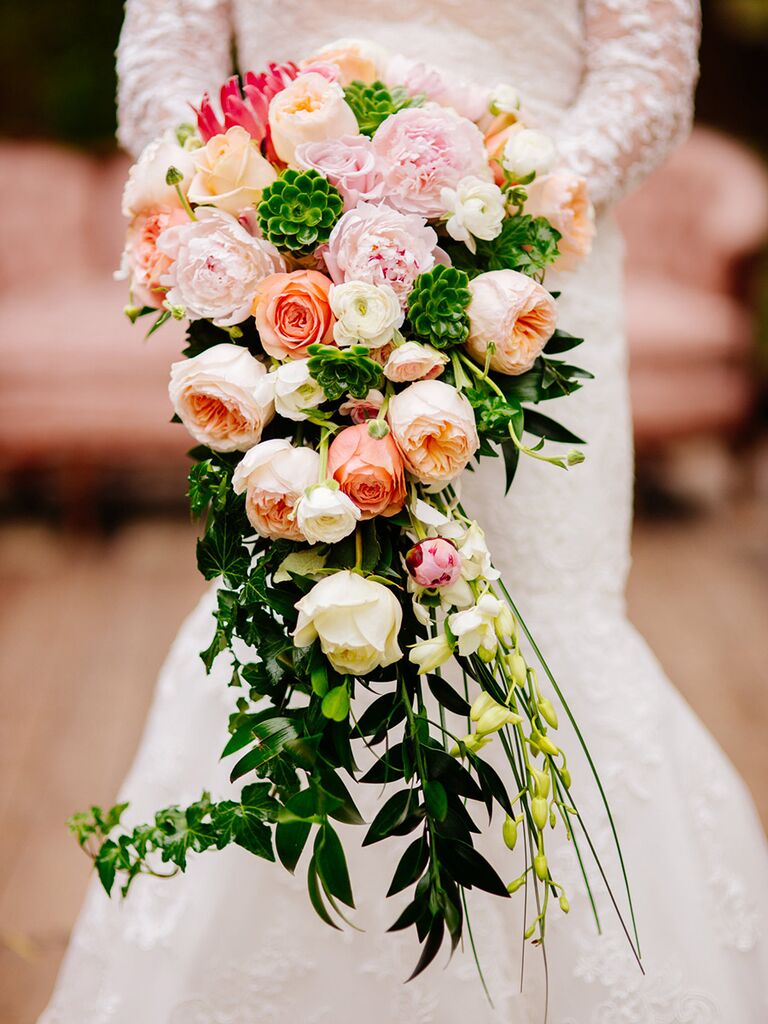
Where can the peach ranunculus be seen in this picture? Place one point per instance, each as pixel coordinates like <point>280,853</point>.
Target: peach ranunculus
<point>434,427</point>
<point>223,397</point>
<point>368,470</point>
<point>355,59</point>
<point>515,313</point>
<point>563,199</point>
<point>292,312</point>
<point>310,108</point>
<point>230,172</point>
<point>143,264</point>
<point>274,476</point>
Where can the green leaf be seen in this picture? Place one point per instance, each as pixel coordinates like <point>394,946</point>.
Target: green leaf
<point>315,896</point>
<point>436,799</point>
<point>562,341</point>
<point>242,822</point>
<point>273,734</point>
<point>346,810</point>
<point>445,694</point>
<point>469,867</point>
<point>290,840</point>
<point>332,865</point>
<point>410,866</point>
<point>392,814</point>
<point>542,426</point>
<point>106,864</point>
<point>336,703</point>
<point>221,552</point>
<point>431,947</point>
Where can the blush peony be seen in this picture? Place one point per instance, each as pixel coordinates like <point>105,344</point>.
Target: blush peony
<point>217,266</point>
<point>514,313</point>
<point>434,427</point>
<point>423,150</point>
<point>274,475</point>
<point>292,312</point>
<point>381,246</point>
<point>368,470</point>
<point>222,397</point>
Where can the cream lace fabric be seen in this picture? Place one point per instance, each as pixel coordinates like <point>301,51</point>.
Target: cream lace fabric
<point>234,940</point>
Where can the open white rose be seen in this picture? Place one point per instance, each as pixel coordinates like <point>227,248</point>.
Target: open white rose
<point>146,188</point>
<point>274,476</point>
<point>414,361</point>
<point>295,390</point>
<point>476,209</point>
<point>222,397</point>
<point>366,314</point>
<point>216,267</point>
<point>357,621</point>
<point>475,628</point>
<point>528,151</point>
<point>309,109</point>
<point>326,515</point>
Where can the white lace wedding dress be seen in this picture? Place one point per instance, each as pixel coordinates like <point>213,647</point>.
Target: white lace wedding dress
<point>234,940</point>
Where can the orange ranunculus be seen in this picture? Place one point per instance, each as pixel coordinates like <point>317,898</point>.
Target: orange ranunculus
<point>368,470</point>
<point>292,312</point>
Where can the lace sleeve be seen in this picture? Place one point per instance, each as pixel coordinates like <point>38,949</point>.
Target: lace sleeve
<point>170,52</point>
<point>636,99</point>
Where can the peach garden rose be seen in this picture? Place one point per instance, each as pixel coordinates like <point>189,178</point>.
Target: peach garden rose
<point>515,314</point>
<point>369,470</point>
<point>274,475</point>
<point>310,108</point>
<point>143,264</point>
<point>292,312</point>
<point>562,198</point>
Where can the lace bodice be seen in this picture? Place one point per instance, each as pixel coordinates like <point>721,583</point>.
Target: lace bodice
<point>612,79</point>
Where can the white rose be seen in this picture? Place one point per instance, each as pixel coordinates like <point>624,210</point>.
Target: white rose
<point>504,99</point>
<point>357,621</point>
<point>222,397</point>
<point>146,188</point>
<point>366,314</point>
<point>477,210</point>
<point>274,476</point>
<point>413,361</point>
<point>475,556</point>
<point>326,515</point>
<point>216,267</point>
<point>295,390</point>
<point>309,109</point>
<point>475,628</point>
<point>528,151</point>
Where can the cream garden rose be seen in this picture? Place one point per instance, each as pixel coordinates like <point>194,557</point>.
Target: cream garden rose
<point>326,515</point>
<point>354,60</point>
<point>414,361</point>
<point>274,475</point>
<point>512,312</point>
<point>434,427</point>
<point>356,620</point>
<point>230,172</point>
<point>217,266</point>
<point>366,314</point>
<point>295,390</point>
<point>223,397</point>
<point>309,109</point>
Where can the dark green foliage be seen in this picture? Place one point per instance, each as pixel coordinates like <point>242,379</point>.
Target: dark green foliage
<point>374,103</point>
<point>527,244</point>
<point>298,211</point>
<point>437,307</point>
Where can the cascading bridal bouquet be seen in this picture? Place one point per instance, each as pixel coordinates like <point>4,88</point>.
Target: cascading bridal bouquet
<point>358,243</point>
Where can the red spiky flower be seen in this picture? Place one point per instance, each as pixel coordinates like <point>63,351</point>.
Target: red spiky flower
<point>247,107</point>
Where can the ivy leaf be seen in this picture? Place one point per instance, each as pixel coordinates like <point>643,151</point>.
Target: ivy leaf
<point>106,864</point>
<point>221,551</point>
<point>242,821</point>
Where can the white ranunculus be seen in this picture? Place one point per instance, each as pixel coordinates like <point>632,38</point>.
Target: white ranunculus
<point>357,621</point>
<point>309,109</point>
<point>504,99</point>
<point>528,151</point>
<point>295,390</point>
<point>216,267</point>
<point>366,314</point>
<point>146,188</point>
<point>475,628</point>
<point>414,361</point>
<point>475,556</point>
<point>430,654</point>
<point>222,397</point>
<point>326,515</point>
<point>476,209</point>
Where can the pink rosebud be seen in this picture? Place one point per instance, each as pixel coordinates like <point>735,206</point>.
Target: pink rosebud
<point>434,563</point>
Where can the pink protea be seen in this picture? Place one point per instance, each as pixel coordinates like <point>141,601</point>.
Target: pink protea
<point>247,107</point>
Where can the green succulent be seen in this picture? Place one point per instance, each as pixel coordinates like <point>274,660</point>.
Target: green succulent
<point>374,103</point>
<point>298,211</point>
<point>339,371</point>
<point>437,307</point>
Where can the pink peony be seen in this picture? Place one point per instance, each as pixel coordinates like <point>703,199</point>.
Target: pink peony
<point>434,563</point>
<point>423,150</point>
<point>379,245</point>
<point>143,263</point>
<point>349,163</point>
<point>466,98</point>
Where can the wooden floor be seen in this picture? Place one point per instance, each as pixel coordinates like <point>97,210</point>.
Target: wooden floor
<point>85,626</point>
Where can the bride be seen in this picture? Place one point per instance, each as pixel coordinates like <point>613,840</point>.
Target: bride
<point>234,941</point>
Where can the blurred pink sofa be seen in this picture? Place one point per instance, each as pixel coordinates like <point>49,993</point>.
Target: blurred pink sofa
<point>80,391</point>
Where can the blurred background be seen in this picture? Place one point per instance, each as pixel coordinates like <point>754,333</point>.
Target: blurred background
<point>96,549</point>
